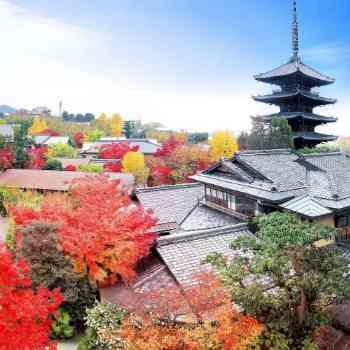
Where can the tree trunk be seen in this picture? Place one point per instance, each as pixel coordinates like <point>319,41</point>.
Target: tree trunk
<point>301,308</point>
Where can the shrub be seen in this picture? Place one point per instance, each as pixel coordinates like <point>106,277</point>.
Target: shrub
<point>102,320</point>
<point>90,168</point>
<point>53,164</point>
<point>50,268</point>
<point>61,326</point>
<point>61,151</point>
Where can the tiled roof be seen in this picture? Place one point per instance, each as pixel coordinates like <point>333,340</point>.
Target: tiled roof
<point>40,139</point>
<point>152,276</point>
<point>52,180</point>
<point>324,177</point>
<point>184,253</point>
<point>306,206</point>
<point>304,115</point>
<point>292,68</point>
<point>73,161</point>
<point>171,204</point>
<point>279,166</point>
<point>318,100</point>
<point>335,175</point>
<point>203,217</point>
<point>311,136</point>
<point>55,140</point>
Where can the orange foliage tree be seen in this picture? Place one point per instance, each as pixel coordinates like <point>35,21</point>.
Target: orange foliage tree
<point>99,228</point>
<point>198,317</point>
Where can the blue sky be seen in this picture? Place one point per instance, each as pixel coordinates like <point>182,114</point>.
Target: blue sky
<point>188,64</point>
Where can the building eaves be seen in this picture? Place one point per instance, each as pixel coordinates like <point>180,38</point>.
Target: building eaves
<point>306,206</point>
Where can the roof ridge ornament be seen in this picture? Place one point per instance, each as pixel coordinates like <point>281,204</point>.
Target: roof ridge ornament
<point>295,34</point>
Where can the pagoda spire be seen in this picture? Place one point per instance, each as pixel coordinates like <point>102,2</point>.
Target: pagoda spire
<point>295,34</point>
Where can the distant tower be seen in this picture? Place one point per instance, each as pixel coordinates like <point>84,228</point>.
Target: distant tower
<point>60,109</point>
<point>295,98</point>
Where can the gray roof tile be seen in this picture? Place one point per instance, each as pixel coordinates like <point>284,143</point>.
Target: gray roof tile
<point>324,177</point>
<point>292,68</point>
<point>171,204</point>
<point>184,253</point>
<point>203,217</point>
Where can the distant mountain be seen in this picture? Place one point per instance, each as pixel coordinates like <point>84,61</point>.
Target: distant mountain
<point>7,109</point>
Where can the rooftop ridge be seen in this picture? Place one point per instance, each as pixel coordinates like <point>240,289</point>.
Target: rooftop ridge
<point>266,151</point>
<point>323,154</point>
<point>167,187</point>
<point>200,234</point>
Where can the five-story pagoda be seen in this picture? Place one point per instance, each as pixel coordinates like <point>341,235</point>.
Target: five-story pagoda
<point>295,97</point>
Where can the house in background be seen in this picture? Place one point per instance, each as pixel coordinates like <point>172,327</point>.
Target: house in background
<point>146,146</point>
<point>315,187</point>
<point>7,132</point>
<point>47,140</point>
<point>54,181</point>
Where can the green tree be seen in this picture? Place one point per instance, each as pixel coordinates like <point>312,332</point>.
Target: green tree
<point>90,168</point>
<point>133,129</point>
<point>50,268</point>
<point>93,135</point>
<point>61,150</point>
<point>20,145</point>
<point>281,135</point>
<point>53,164</point>
<point>288,281</point>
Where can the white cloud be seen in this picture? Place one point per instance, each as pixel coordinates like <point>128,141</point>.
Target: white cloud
<point>44,60</point>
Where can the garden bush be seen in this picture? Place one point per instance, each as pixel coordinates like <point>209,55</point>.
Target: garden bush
<point>51,269</point>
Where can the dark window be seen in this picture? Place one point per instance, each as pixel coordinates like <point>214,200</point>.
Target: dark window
<point>342,221</point>
<point>245,205</point>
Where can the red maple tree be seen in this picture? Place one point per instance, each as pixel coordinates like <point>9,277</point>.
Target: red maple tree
<point>99,227</point>
<point>70,167</point>
<point>78,139</point>
<point>168,146</point>
<point>25,315</point>
<point>6,158</point>
<point>116,150</point>
<point>112,167</point>
<point>37,157</point>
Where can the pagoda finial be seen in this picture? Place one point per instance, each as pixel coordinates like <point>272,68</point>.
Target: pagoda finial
<point>295,37</point>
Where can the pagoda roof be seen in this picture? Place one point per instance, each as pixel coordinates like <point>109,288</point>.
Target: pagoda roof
<point>278,97</point>
<point>295,67</point>
<point>314,136</point>
<point>303,115</point>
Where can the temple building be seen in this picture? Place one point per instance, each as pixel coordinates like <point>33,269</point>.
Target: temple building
<point>295,96</point>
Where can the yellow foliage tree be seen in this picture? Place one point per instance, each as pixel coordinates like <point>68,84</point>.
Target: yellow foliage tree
<point>116,125</point>
<point>134,163</point>
<point>103,123</point>
<point>39,125</point>
<point>223,144</point>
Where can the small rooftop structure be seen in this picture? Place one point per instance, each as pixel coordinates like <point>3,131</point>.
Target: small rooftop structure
<point>306,206</point>
<point>7,132</point>
<point>55,140</point>
<point>47,140</point>
<point>51,180</point>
